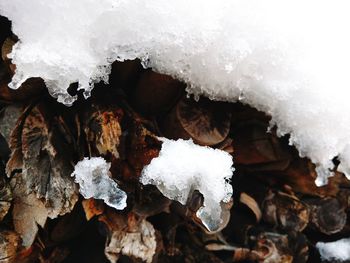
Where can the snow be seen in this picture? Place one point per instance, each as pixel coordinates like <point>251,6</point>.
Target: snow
<point>290,59</point>
<point>337,250</point>
<point>183,167</point>
<point>94,180</point>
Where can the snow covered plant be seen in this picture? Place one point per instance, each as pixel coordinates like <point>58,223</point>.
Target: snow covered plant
<point>290,58</point>
<point>183,167</point>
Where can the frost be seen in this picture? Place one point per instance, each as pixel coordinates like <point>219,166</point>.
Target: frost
<point>289,58</point>
<point>338,250</point>
<point>183,167</point>
<point>94,180</point>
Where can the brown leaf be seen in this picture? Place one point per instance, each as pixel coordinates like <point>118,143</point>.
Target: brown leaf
<point>5,198</point>
<point>28,211</point>
<point>327,215</point>
<point>285,211</point>
<point>40,154</point>
<point>8,119</point>
<point>5,51</point>
<point>30,89</point>
<point>92,208</point>
<point>15,163</point>
<point>156,93</point>
<point>205,121</point>
<point>9,245</point>
<point>261,150</point>
<point>46,171</point>
<point>142,147</point>
<point>103,130</point>
<point>129,236</point>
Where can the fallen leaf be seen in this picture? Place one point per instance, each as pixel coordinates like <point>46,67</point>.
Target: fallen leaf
<point>9,244</point>
<point>92,208</point>
<point>129,236</point>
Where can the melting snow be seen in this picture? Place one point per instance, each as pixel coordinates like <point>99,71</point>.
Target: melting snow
<point>289,58</point>
<point>338,250</point>
<point>183,167</point>
<point>94,180</point>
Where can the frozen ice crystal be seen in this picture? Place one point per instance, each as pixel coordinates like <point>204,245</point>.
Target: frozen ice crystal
<point>338,250</point>
<point>290,59</point>
<point>183,167</point>
<point>92,175</point>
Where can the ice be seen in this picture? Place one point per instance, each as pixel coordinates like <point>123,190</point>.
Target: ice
<point>94,180</point>
<point>183,167</point>
<point>290,59</point>
<point>337,250</point>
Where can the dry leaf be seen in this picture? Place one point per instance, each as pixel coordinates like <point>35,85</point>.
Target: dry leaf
<point>129,236</point>
<point>5,198</point>
<point>92,208</point>
<point>28,211</point>
<point>46,171</point>
<point>103,130</point>
<point>9,244</point>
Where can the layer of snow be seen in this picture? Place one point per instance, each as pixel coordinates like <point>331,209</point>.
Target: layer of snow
<point>183,167</point>
<point>94,180</point>
<point>288,58</point>
<point>338,250</point>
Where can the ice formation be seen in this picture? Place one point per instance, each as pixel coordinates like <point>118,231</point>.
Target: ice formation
<point>92,175</point>
<point>338,250</point>
<point>183,167</point>
<point>288,58</point>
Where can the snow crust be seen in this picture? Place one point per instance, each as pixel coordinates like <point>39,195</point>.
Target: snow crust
<point>94,180</point>
<point>183,167</point>
<point>337,250</point>
<point>290,59</point>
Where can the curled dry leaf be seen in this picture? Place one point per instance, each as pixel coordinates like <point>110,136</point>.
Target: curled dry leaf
<point>5,51</point>
<point>32,88</point>
<point>241,254</point>
<point>10,242</point>
<point>28,211</point>
<point>92,207</point>
<point>205,121</point>
<point>156,93</point>
<point>8,119</point>
<point>285,211</point>
<point>301,176</point>
<point>39,154</point>
<point>45,165</point>
<point>327,215</point>
<point>149,201</point>
<point>129,236</point>
<point>250,202</point>
<point>141,148</point>
<point>5,198</point>
<point>286,248</point>
<point>261,150</point>
<point>103,130</point>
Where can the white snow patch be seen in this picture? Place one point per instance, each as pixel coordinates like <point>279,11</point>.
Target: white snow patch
<point>94,179</point>
<point>288,58</point>
<point>183,167</point>
<point>338,250</point>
